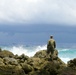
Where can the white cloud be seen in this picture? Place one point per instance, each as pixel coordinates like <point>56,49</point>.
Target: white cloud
<point>38,11</point>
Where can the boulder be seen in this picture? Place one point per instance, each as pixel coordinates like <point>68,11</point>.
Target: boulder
<point>41,54</point>
<point>6,53</point>
<point>22,58</point>
<point>10,61</point>
<point>44,55</point>
<point>35,62</point>
<point>70,69</point>
<point>26,67</point>
<point>72,63</point>
<point>39,64</point>
<point>43,66</point>
<point>11,70</point>
<point>67,71</point>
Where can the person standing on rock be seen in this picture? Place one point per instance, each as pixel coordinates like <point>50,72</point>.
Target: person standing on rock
<point>51,45</point>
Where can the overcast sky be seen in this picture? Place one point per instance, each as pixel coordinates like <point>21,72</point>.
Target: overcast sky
<point>33,21</point>
<point>38,11</point>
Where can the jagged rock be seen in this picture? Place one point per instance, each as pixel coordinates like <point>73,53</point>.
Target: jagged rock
<point>1,62</point>
<point>35,62</point>
<point>6,53</point>
<point>11,70</point>
<point>70,69</point>
<point>10,61</point>
<point>26,67</point>
<point>39,64</point>
<point>43,54</point>
<point>72,63</point>
<point>48,67</point>
<point>42,66</point>
<point>67,71</point>
<point>21,58</point>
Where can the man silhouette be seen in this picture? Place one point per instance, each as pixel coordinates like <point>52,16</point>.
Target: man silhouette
<point>51,46</point>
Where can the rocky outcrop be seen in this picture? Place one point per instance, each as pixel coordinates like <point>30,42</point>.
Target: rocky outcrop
<point>10,61</point>
<point>6,53</point>
<point>39,64</point>
<point>44,55</point>
<point>43,65</point>
<point>70,69</point>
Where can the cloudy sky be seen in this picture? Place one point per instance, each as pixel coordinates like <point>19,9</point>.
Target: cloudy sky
<point>38,11</point>
<point>26,21</point>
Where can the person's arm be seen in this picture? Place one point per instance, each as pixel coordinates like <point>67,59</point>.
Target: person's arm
<point>54,44</point>
<point>47,44</point>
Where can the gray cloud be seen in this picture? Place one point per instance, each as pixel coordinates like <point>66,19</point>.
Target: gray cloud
<point>37,34</point>
<point>38,11</point>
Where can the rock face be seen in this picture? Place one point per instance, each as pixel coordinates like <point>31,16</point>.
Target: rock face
<point>70,69</point>
<point>39,64</point>
<point>6,53</point>
<point>43,54</point>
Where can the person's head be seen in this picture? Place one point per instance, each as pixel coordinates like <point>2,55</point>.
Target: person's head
<point>51,36</point>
